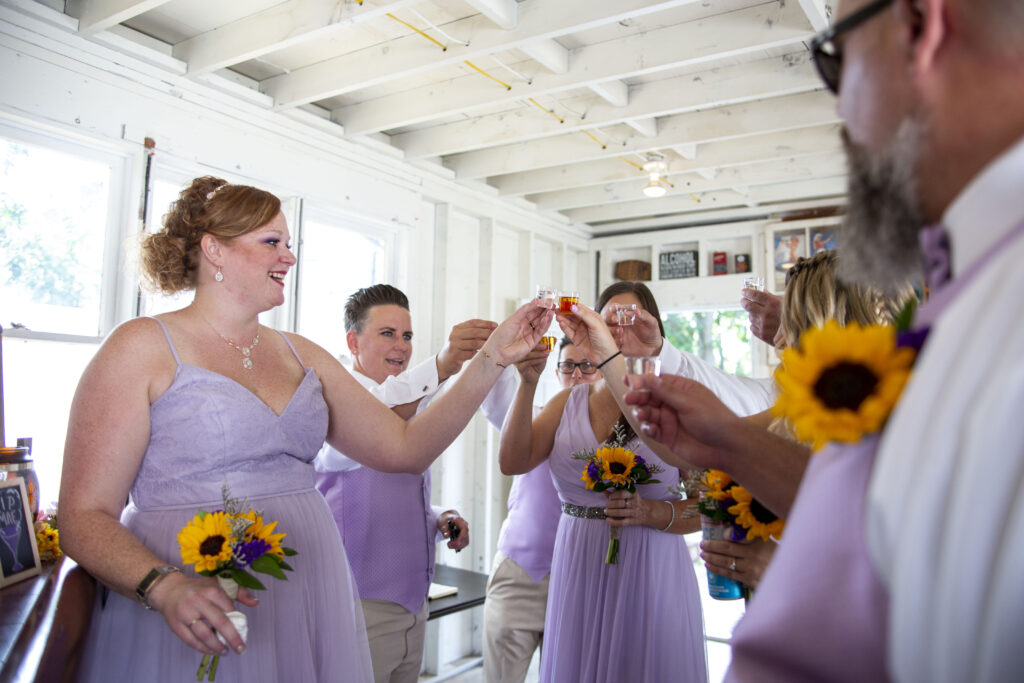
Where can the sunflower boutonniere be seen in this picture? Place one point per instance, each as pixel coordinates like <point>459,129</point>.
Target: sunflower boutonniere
<point>226,544</point>
<point>842,382</point>
<point>615,467</point>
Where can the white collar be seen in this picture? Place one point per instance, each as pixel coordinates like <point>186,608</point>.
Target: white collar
<point>991,205</point>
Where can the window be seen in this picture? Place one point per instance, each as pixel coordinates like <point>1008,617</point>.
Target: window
<point>54,217</point>
<point>720,337</point>
<point>335,260</point>
<point>61,208</point>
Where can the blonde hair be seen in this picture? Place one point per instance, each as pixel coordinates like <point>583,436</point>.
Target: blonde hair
<point>169,258</point>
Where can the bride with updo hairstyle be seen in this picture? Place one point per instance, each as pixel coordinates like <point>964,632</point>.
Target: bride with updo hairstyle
<point>175,407</point>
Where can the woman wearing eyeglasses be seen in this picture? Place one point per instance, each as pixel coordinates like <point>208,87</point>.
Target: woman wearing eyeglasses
<point>639,619</point>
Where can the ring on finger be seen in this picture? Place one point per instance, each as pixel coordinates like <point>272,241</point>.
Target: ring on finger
<point>732,565</point>
<point>192,622</point>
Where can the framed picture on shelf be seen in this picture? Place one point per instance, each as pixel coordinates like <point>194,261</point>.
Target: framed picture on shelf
<point>789,246</point>
<point>822,239</point>
<point>19,556</point>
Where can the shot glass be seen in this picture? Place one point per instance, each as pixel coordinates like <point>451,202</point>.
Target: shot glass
<point>566,300</point>
<point>547,295</point>
<point>641,365</point>
<point>549,342</point>
<point>625,314</point>
<point>753,282</point>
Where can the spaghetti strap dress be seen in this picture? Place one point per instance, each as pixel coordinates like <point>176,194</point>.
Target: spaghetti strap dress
<point>207,431</point>
<point>639,620</point>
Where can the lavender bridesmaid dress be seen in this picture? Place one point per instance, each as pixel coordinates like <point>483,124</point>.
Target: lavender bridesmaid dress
<point>208,430</point>
<point>638,620</point>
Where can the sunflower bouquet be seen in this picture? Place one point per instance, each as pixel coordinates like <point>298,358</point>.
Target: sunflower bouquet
<point>730,513</point>
<point>227,544</point>
<point>47,536</point>
<point>615,467</point>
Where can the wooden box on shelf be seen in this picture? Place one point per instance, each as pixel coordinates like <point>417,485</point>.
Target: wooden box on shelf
<point>633,270</point>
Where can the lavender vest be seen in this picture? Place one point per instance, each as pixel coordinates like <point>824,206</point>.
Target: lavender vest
<point>388,529</point>
<point>820,613</point>
<point>528,533</point>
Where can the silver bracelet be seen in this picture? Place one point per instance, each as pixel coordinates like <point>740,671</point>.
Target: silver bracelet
<point>673,520</point>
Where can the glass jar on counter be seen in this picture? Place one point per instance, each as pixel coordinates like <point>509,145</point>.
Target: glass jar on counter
<point>17,462</point>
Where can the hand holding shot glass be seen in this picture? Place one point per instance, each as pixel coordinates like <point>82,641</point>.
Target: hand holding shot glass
<point>625,314</point>
<point>641,365</point>
<point>753,282</point>
<point>548,296</point>
<point>566,300</point>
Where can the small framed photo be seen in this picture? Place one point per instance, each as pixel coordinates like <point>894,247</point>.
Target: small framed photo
<point>19,556</point>
<point>822,240</point>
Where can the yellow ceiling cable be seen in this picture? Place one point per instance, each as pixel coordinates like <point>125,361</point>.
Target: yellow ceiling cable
<point>591,136</point>
<point>549,111</point>
<point>444,48</point>
<point>496,80</point>
<point>431,39</point>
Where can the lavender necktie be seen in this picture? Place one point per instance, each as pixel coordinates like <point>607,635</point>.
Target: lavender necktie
<point>935,257</point>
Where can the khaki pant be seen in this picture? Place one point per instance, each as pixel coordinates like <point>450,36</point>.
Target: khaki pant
<point>513,621</point>
<point>396,640</point>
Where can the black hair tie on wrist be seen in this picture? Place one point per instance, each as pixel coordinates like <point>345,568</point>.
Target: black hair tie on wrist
<point>617,353</point>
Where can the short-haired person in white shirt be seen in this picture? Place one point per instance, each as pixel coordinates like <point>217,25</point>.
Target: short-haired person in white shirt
<point>387,523</point>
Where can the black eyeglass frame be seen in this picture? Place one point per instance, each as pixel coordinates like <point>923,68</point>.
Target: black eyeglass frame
<point>573,365</point>
<point>828,58</point>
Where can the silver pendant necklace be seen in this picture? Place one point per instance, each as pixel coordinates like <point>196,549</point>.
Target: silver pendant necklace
<point>246,351</point>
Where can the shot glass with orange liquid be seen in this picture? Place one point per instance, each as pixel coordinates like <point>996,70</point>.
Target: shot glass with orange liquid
<point>566,300</point>
<point>549,342</point>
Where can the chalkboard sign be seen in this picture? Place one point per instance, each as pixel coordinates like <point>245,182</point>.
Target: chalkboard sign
<point>19,557</point>
<point>676,264</point>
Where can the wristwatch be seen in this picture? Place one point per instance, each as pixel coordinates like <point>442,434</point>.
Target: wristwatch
<point>150,580</point>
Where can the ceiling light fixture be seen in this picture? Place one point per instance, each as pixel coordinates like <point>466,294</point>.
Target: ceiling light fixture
<point>655,167</point>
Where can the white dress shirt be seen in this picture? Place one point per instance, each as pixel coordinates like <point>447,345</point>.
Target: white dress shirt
<point>743,395</point>
<point>945,515</point>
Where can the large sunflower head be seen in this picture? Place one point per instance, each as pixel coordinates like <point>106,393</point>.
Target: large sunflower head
<point>616,464</point>
<point>258,531</point>
<point>759,521</point>
<point>842,382</point>
<point>206,541</point>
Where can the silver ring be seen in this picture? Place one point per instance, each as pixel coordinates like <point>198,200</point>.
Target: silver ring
<point>732,566</point>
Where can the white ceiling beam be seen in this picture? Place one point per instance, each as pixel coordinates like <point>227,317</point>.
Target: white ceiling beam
<point>646,127</point>
<point>720,123</point>
<point>615,93</point>
<point>763,78</point>
<point>98,15</point>
<point>818,14</point>
<point>746,31</point>
<point>825,165</point>
<point>288,24</point>
<point>686,151</point>
<point>713,88</point>
<point>765,194</point>
<point>502,12</point>
<point>712,156</point>
<point>549,54</point>
<point>411,54</point>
